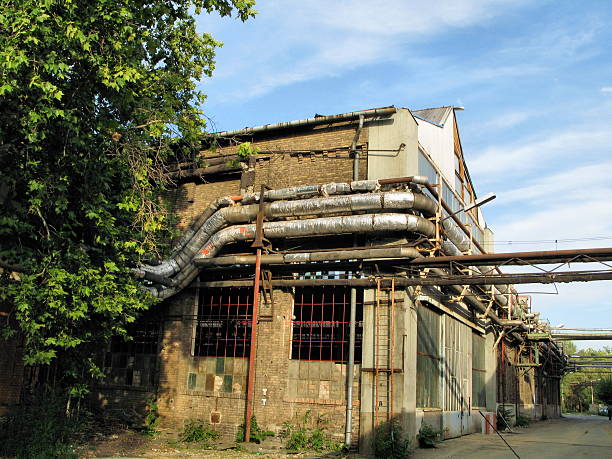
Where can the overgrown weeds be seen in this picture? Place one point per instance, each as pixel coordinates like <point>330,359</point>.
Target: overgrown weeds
<point>198,431</point>
<point>522,421</point>
<point>390,442</point>
<point>428,436</point>
<point>42,430</point>
<point>308,435</point>
<point>256,435</point>
<point>151,420</point>
<point>503,418</point>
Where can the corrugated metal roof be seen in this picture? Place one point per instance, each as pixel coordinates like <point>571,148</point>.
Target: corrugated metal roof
<point>437,115</point>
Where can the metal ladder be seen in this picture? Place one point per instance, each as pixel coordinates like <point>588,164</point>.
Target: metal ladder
<point>384,343</point>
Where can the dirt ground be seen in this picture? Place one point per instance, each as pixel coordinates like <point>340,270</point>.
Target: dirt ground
<point>572,436</point>
<point>128,444</point>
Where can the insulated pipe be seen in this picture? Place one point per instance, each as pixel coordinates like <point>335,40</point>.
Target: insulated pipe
<point>177,258</point>
<point>305,207</point>
<point>300,257</point>
<point>369,223</point>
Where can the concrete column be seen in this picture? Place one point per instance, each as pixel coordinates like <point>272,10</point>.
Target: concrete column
<point>366,420</point>
<point>491,372</point>
<point>410,368</point>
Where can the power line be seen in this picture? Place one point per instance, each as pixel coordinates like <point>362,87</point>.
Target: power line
<point>553,241</point>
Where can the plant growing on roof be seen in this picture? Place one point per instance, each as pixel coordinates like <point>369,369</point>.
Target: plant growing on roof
<point>244,151</point>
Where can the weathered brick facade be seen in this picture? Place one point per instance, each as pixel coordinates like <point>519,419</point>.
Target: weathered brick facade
<point>214,388</point>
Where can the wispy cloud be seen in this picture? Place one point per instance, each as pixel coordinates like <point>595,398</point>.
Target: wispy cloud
<point>323,39</point>
<point>541,151</point>
<point>606,89</point>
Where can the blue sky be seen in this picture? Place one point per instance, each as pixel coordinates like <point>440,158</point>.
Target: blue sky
<point>535,78</point>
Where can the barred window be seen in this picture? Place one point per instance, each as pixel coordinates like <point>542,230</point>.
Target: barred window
<point>133,361</point>
<point>321,324</point>
<point>479,392</point>
<point>428,358</point>
<point>223,323</point>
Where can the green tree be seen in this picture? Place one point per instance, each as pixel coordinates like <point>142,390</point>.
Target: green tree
<point>96,98</point>
<point>603,390</point>
<point>576,387</point>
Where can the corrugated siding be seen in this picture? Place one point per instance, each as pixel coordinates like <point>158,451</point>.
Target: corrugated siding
<point>428,358</point>
<point>479,393</point>
<point>457,365</point>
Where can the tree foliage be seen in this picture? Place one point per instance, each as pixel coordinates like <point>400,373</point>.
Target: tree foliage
<point>577,387</point>
<point>95,98</point>
<point>603,390</point>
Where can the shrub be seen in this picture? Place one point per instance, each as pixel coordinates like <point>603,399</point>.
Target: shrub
<point>151,420</point>
<point>40,430</point>
<point>197,431</point>
<point>503,415</point>
<point>302,437</point>
<point>428,436</point>
<point>389,442</point>
<point>257,435</point>
<point>522,421</point>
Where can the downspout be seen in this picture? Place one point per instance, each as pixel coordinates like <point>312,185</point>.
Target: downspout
<point>350,369</point>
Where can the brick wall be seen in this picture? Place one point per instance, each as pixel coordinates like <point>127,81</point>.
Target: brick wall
<point>214,389</point>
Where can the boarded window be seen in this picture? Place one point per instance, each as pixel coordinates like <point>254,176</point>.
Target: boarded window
<point>428,358</point>
<point>223,324</point>
<point>321,324</point>
<point>479,393</point>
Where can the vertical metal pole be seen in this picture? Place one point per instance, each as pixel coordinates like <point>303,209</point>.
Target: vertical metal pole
<point>392,333</point>
<point>257,243</point>
<point>350,369</point>
<point>250,385</point>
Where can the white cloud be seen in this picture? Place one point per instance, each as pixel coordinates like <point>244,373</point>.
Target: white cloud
<point>606,89</point>
<point>541,152</point>
<point>315,39</point>
<point>506,120</point>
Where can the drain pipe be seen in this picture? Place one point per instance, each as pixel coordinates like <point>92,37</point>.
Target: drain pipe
<point>354,149</point>
<point>350,368</point>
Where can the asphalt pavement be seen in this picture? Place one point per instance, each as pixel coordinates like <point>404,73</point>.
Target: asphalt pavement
<point>572,436</point>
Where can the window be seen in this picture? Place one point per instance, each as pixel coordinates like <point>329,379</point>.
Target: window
<point>479,392</point>
<point>321,324</point>
<point>223,324</point>
<point>133,362</point>
<point>428,358</point>
<point>427,169</point>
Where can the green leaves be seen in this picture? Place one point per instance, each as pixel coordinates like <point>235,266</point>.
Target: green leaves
<point>94,98</point>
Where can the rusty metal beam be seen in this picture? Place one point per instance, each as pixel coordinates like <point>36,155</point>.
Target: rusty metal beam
<point>581,336</point>
<point>518,258</point>
<point>529,278</point>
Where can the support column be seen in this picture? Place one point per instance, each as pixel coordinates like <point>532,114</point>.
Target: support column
<point>491,373</point>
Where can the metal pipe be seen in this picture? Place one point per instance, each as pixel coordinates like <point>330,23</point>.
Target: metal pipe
<point>518,258</point>
<point>277,259</point>
<point>305,207</point>
<point>385,111</point>
<point>252,353</point>
<point>350,369</point>
<point>581,336</point>
<point>354,149</point>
